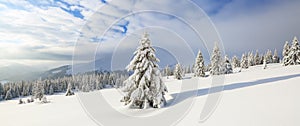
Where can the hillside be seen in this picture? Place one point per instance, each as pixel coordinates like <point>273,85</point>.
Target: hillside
<point>252,97</point>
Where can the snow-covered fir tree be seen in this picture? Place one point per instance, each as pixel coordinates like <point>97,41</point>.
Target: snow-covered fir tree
<point>8,95</point>
<point>145,86</point>
<point>199,65</point>
<point>235,62</point>
<point>285,53</point>
<point>38,90</point>
<point>216,61</point>
<point>69,90</point>
<point>275,57</point>
<point>111,78</point>
<point>293,57</point>
<point>244,62</point>
<point>178,73</point>
<point>265,63</point>
<point>250,59</point>
<point>256,58</point>
<point>262,59</point>
<point>269,57</point>
<point>51,90</point>
<point>167,71</point>
<point>227,66</point>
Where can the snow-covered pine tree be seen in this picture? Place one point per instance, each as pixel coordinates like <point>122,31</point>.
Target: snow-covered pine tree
<point>168,71</point>
<point>285,53</point>
<point>199,65</point>
<point>178,73</point>
<point>112,79</point>
<point>216,65</point>
<point>265,63</point>
<point>99,84</point>
<point>256,58</point>
<point>16,91</point>
<point>25,91</point>
<point>145,86</point>
<point>261,61</point>
<point>235,62</point>
<point>275,57</point>
<point>38,90</point>
<point>250,59</point>
<point>51,90</point>
<point>227,66</point>
<point>244,62</point>
<point>294,53</point>
<point>269,57</point>
<point>8,95</point>
<point>69,90</point>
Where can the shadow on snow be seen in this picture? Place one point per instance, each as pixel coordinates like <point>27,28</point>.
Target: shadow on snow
<point>179,97</point>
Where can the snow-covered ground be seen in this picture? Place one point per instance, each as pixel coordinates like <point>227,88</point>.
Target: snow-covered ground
<point>253,97</point>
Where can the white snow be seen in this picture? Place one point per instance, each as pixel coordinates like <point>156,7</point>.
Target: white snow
<point>254,97</point>
<point>61,111</point>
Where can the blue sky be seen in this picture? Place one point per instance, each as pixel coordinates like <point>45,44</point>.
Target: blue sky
<point>43,33</point>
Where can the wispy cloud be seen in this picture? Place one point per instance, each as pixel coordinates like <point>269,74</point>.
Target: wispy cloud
<point>47,30</point>
<point>53,26</point>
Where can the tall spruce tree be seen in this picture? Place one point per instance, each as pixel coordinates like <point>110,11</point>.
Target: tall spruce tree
<point>265,63</point>
<point>145,86</point>
<point>199,67</point>
<point>269,57</point>
<point>227,66</point>
<point>251,59</point>
<point>256,58</point>
<point>167,71</point>
<point>216,61</point>
<point>69,90</point>
<point>38,90</point>
<point>244,62</point>
<point>294,53</point>
<point>8,95</point>
<point>275,57</point>
<point>178,72</point>
<point>235,62</point>
<point>285,53</point>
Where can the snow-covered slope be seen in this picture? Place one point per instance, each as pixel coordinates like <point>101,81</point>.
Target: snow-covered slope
<point>61,111</point>
<point>253,97</point>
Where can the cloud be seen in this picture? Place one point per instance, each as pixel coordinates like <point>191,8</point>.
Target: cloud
<point>259,25</point>
<point>48,30</point>
<point>26,25</point>
<point>119,21</point>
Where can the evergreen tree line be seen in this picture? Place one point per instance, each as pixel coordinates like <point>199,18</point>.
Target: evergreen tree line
<point>218,65</point>
<point>81,82</point>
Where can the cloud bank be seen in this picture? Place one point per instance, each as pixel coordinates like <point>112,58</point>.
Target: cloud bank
<point>43,33</point>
